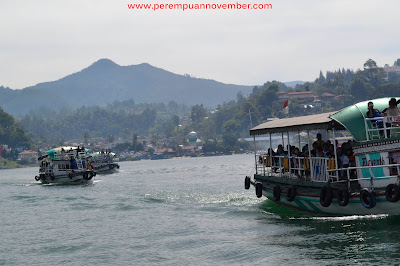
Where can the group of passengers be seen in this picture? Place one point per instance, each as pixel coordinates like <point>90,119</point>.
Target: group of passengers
<point>392,110</point>
<point>320,148</point>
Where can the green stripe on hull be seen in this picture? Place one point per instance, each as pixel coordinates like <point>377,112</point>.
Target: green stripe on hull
<point>315,208</point>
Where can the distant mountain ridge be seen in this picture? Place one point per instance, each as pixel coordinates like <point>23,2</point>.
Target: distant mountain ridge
<point>105,81</point>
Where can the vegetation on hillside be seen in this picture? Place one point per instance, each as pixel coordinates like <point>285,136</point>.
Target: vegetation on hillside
<point>219,128</point>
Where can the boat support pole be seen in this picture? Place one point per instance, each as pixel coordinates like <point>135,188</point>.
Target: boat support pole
<point>255,152</point>
<point>289,155</point>
<point>270,152</point>
<point>298,132</point>
<point>309,155</point>
<point>335,151</point>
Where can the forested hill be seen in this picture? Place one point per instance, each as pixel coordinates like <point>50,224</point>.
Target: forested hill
<point>12,133</point>
<point>105,81</point>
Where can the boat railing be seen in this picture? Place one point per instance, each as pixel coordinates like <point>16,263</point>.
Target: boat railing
<point>382,127</point>
<point>321,169</point>
<point>295,167</point>
<point>349,174</point>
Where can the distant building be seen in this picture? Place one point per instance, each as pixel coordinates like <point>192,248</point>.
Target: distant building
<point>327,96</point>
<point>28,156</point>
<point>305,95</point>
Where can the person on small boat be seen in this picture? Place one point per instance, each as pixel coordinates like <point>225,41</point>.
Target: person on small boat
<point>74,165</point>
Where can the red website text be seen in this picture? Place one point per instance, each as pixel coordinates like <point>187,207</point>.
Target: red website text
<point>183,7</point>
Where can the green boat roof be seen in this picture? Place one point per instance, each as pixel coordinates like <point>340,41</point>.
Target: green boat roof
<point>352,117</point>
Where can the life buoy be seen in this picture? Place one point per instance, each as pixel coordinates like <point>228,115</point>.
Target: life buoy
<point>343,197</point>
<point>286,163</point>
<point>267,161</point>
<point>325,197</point>
<point>331,163</point>
<point>367,198</point>
<point>291,193</point>
<point>247,182</point>
<point>89,175</point>
<point>70,175</point>
<point>85,176</point>
<point>306,164</point>
<point>259,190</point>
<point>37,178</point>
<point>277,193</point>
<point>111,166</point>
<point>392,193</point>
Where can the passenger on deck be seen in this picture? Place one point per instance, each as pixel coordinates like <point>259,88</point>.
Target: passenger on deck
<point>325,150</point>
<point>393,110</point>
<point>319,141</point>
<point>315,150</point>
<point>371,113</point>
<point>280,151</point>
<point>331,151</point>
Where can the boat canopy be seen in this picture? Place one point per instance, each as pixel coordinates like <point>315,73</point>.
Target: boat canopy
<point>309,122</point>
<point>353,117</point>
<point>53,152</point>
<point>97,153</point>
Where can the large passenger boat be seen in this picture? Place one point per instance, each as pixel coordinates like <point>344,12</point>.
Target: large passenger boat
<point>319,184</point>
<point>65,165</point>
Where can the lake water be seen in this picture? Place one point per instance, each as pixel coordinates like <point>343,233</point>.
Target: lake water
<point>192,211</point>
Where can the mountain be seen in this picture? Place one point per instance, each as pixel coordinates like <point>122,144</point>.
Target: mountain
<point>105,81</point>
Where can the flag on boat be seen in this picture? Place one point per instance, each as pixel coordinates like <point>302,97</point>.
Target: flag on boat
<point>286,107</point>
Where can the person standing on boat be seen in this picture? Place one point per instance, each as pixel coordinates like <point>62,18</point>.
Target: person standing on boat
<point>319,141</point>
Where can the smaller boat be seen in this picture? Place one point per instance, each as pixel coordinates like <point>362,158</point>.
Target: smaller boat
<point>104,162</point>
<point>65,165</point>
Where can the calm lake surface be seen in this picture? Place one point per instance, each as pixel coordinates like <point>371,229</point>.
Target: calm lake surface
<point>192,211</point>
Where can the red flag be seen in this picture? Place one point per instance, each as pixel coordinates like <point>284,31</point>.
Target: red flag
<point>286,104</point>
<point>286,107</point>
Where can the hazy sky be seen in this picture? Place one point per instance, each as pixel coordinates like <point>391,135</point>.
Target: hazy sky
<point>45,40</point>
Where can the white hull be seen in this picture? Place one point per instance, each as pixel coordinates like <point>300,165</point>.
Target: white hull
<point>65,179</point>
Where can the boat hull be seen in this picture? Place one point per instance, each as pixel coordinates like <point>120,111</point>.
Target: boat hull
<point>106,168</point>
<point>309,199</point>
<point>74,179</point>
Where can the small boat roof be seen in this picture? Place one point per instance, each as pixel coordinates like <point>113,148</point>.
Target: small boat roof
<point>97,153</point>
<point>350,118</point>
<point>309,122</point>
<point>52,152</point>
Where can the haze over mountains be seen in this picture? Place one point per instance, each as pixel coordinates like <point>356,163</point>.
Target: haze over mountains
<point>105,81</point>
